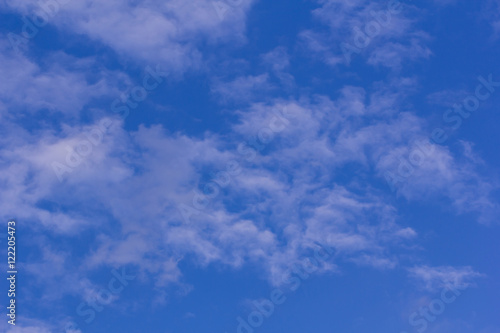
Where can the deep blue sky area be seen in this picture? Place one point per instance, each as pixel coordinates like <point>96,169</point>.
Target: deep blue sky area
<point>249,166</point>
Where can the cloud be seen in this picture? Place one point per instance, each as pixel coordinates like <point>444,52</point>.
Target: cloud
<point>435,278</point>
<point>62,86</point>
<point>287,170</point>
<point>381,33</point>
<point>304,186</point>
<point>152,31</point>
<point>392,55</point>
<point>278,59</point>
<point>242,89</point>
<point>446,98</point>
<point>443,174</point>
<point>491,9</point>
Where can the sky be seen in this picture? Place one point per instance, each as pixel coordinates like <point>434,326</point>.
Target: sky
<point>251,166</point>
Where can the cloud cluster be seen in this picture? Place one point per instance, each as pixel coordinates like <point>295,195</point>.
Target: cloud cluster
<point>305,187</point>
<point>381,33</point>
<point>317,180</point>
<point>153,31</point>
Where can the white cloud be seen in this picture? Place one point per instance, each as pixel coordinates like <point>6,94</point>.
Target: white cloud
<point>61,85</point>
<point>241,89</point>
<point>393,55</point>
<point>435,278</point>
<point>442,174</point>
<point>446,98</point>
<point>153,31</point>
<point>382,33</point>
<point>305,187</point>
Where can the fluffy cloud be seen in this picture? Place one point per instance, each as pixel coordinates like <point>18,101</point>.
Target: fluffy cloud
<point>384,33</point>
<point>299,185</point>
<point>61,85</point>
<point>286,175</point>
<point>153,31</point>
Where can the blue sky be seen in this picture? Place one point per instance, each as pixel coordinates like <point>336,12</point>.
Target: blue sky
<point>251,166</point>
